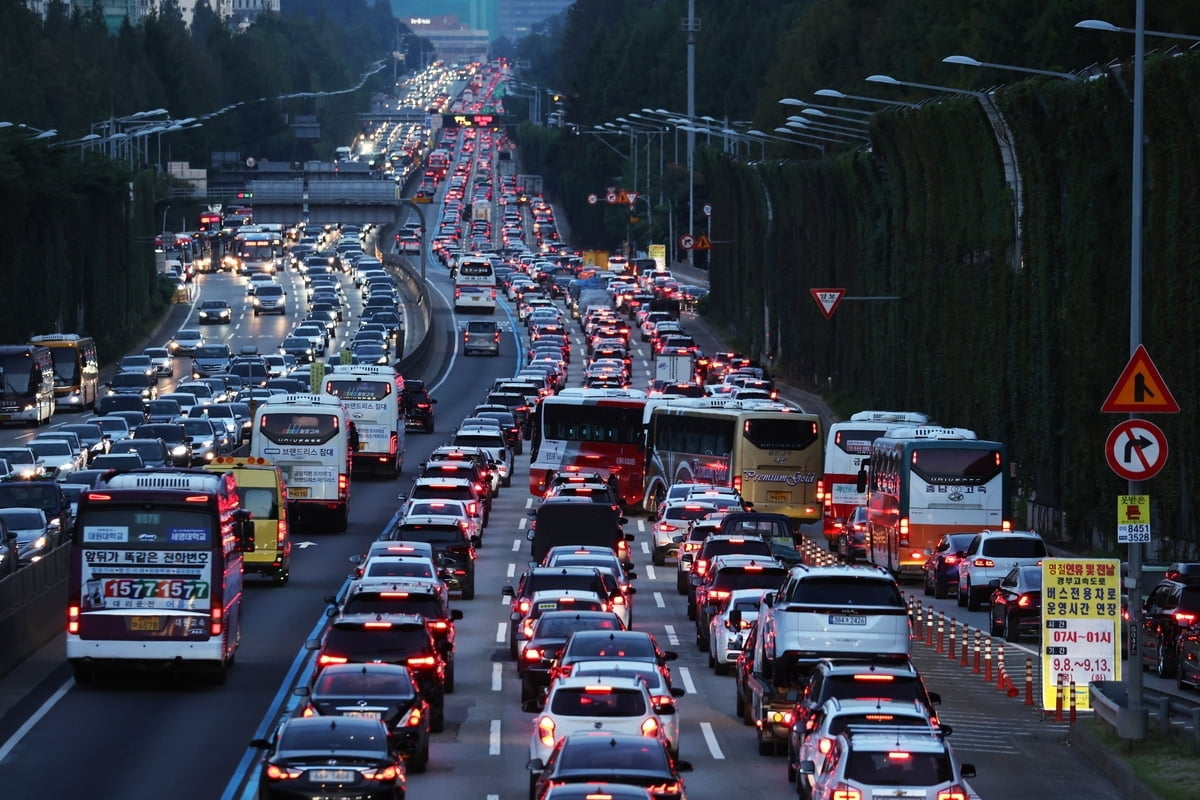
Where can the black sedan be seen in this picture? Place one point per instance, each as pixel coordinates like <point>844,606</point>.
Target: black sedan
<point>339,757</point>
<point>1016,608</point>
<point>852,538</point>
<point>550,633</point>
<point>622,758</point>
<point>214,312</point>
<point>375,691</point>
<point>941,568</point>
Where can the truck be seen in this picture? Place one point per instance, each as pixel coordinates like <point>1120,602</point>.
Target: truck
<point>676,365</point>
<point>528,187</point>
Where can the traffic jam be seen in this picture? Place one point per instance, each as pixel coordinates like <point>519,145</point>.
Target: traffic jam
<point>622,495</point>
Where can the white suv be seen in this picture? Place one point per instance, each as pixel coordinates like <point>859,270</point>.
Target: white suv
<point>594,702</point>
<point>989,557</point>
<point>874,760</point>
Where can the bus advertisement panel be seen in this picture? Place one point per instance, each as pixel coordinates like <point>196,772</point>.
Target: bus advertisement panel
<point>371,397</point>
<point>76,369</point>
<point>307,437</point>
<point>26,384</point>
<point>156,572</point>
<point>922,482</point>
<point>769,452</point>
<point>591,430</point>
<point>848,444</point>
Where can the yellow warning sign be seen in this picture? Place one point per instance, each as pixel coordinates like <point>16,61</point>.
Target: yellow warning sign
<point>622,198</point>
<point>702,243</point>
<point>1140,389</point>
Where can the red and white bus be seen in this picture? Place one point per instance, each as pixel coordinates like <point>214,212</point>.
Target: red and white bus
<point>590,430</point>
<point>848,445</point>
<point>156,572</point>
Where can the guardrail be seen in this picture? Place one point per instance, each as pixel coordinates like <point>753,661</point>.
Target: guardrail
<point>1110,703</point>
<point>33,607</point>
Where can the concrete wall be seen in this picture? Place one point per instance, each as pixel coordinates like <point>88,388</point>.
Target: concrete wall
<point>33,607</point>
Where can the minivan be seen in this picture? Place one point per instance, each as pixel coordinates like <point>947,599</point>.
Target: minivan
<point>269,299</point>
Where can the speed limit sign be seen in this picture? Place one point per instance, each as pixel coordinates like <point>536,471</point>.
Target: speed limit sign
<point>687,241</point>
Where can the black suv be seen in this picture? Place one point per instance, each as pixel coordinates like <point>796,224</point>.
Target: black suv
<point>1172,606</point>
<point>179,444</point>
<point>394,639</point>
<point>542,579</point>
<point>722,544</point>
<point>453,552</point>
<point>418,407</point>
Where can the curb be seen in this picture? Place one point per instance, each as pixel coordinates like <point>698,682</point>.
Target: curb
<point>1109,762</point>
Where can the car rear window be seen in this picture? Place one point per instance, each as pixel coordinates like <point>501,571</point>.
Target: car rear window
<point>722,547</point>
<point>598,702</point>
<point>871,686</point>
<point>898,768</point>
<point>377,603</point>
<point>376,644</point>
<point>1014,547</point>
<point>432,534</point>
<point>742,578</point>
<point>846,591</point>
<point>561,626</point>
<point>443,492</point>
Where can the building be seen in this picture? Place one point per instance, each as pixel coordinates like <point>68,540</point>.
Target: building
<point>454,41</point>
<point>516,19</point>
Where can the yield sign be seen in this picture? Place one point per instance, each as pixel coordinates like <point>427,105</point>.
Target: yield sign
<point>828,300</point>
<point>632,197</point>
<point>1136,449</point>
<point>1140,389</point>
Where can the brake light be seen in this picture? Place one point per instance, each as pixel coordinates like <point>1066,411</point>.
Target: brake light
<point>422,661</point>
<point>309,711</point>
<point>871,676</point>
<point>667,527</point>
<point>718,594</point>
<point>457,292</point>
<point>650,727</point>
<point>531,654</point>
<point>1184,618</point>
<point>983,562</point>
<point>700,567</point>
<point>545,729</point>
<point>343,485</point>
<point>820,489</point>
<point>954,792</point>
<point>73,619</point>
<point>844,791</point>
<point>472,509</point>
<point>439,625</point>
<point>324,660</point>
<point>904,531</point>
<point>618,600</point>
<point>950,561</point>
<point>277,773</point>
<point>413,719</point>
<point>660,789</point>
<point>378,625</point>
<point>388,773</point>
<point>825,745</point>
<point>523,607</point>
<point>215,626</point>
<point>737,484</point>
<point>1024,601</point>
<point>899,755</point>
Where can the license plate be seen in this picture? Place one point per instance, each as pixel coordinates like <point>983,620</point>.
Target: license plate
<point>333,775</point>
<point>847,619</point>
<point>779,497</point>
<point>145,623</point>
<point>363,714</point>
<point>297,491</point>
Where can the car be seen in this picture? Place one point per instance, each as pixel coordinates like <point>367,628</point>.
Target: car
<point>836,715</point>
<point>119,461</point>
<point>727,630</point>
<point>941,568</point>
<point>179,443</point>
<point>481,337</point>
<point>418,406</point>
<point>853,539</point>
<point>160,357</point>
<point>59,457</point>
<point>454,550</point>
<point>548,637</point>
<point>91,436</point>
<point>114,428</point>
<point>725,574</point>
<point>10,554</point>
<point>989,556</point>
<point>1171,607</point>
<point>662,694</point>
<point>620,704</point>
<point>214,312</point>
<point>138,365</point>
<point>24,462</point>
<point>866,762</point>
<point>152,452</point>
<point>475,495</point>
<point>135,384</point>
<point>690,544</point>
<point>601,645</point>
<point>590,756</point>
<point>34,538</point>
<point>1015,607</point>
<point>162,410</point>
<point>721,545</point>
<point>402,639</point>
<point>347,757</point>
<point>671,519</point>
<point>185,341</point>
<point>207,439</point>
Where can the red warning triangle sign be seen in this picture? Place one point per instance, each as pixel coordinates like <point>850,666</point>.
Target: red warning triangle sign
<point>622,198</point>
<point>702,243</point>
<point>828,299</point>
<point>1140,389</point>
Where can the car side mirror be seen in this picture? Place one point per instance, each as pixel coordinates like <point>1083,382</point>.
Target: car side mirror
<point>945,729</point>
<point>535,765</point>
<point>530,534</point>
<point>312,644</point>
<point>935,698</point>
<point>629,573</point>
<point>809,768</point>
<point>476,541</point>
<point>261,744</point>
<point>356,560</point>
<point>507,591</point>
<point>330,598</point>
<point>994,583</point>
<point>670,655</point>
<point>456,614</point>
<point>967,770</point>
<point>684,766</point>
<point>623,520</point>
<point>304,691</point>
<point>628,537</point>
<point>632,589</point>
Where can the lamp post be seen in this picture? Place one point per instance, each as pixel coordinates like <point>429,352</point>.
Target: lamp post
<point>800,127</point>
<point>840,130</point>
<point>863,98</point>
<point>804,139</point>
<point>818,113</point>
<point>791,101</point>
<point>1108,27</point>
<point>967,61</point>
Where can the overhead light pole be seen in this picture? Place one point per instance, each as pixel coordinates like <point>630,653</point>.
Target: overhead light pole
<point>967,61</point>
<point>864,98</point>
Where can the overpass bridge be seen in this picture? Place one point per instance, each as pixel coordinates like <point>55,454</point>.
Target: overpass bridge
<point>352,200</point>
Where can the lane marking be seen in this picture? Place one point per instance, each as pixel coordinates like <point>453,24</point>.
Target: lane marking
<point>650,572</point>
<point>685,675</point>
<point>672,637</point>
<point>494,739</point>
<point>516,545</point>
<point>497,676</point>
<point>500,631</point>
<point>645,548</point>
<point>710,739</point>
<point>35,718</point>
<point>659,601</point>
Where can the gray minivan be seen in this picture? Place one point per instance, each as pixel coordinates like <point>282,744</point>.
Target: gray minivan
<point>482,336</point>
<point>269,299</point>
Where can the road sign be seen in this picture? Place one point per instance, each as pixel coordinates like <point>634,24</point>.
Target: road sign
<point>622,198</point>
<point>707,208</point>
<point>592,199</point>
<point>1136,449</point>
<point>702,243</point>
<point>1081,635</point>
<point>687,241</point>
<point>1140,389</point>
<point>827,300</point>
<point>1133,519</point>
<point>611,197</point>
<point>632,197</point>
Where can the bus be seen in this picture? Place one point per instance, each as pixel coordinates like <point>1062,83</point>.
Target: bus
<point>209,222</point>
<point>474,285</point>
<point>308,437</point>
<point>924,481</point>
<point>253,252</point>
<point>26,384</point>
<point>371,396</point>
<point>156,573</point>
<point>590,430</point>
<point>76,369</point>
<point>771,453</point>
<point>438,164</point>
<point>847,444</point>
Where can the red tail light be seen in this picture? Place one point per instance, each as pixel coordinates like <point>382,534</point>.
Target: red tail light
<point>413,719</point>
<point>422,661</point>
<point>388,773</point>
<point>523,607</point>
<point>950,561</point>
<point>531,654</point>
<point>472,509</point>
<point>276,773</point>
<point>1184,618</point>
<point>820,491</point>
<point>700,567</point>
<point>309,711</point>
<point>954,792</point>
<point>983,562</point>
<point>215,626</point>
<point>343,485</point>
<point>73,619</point>
<point>737,484</point>
<point>545,729</point>
<point>650,727</point>
<point>1025,601</point>
<point>325,660</point>
<point>457,292</point>
<point>844,791</point>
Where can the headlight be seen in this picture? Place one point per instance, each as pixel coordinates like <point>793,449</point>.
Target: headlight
<point>179,450</point>
<point>40,543</point>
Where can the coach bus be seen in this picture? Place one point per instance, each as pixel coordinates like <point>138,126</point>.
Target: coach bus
<point>156,573</point>
<point>590,430</point>
<point>769,452</point>
<point>308,437</point>
<point>848,443</point>
<point>371,396</point>
<point>26,384</point>
<point>76,369</point>
<point>474,285</point>
<point>924,481</point>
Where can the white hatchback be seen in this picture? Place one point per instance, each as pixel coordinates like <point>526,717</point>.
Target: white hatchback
<point>594,702</point>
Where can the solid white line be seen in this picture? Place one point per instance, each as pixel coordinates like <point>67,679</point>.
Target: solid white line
<point>711,740</point>
<point>494,739</point>
<point>512,570</point>
<point>650,572</point>
<point>497,675</point>
<point>659,601</point>
<point>500,632</point>
<point>685,675</point>
<point>36,717</point>
<point>672,637</point>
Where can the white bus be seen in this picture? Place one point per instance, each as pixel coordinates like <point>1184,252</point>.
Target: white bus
<point>371,397</point>
<point>474,285</point>
<point>308,437</point>
<point>848,444</point>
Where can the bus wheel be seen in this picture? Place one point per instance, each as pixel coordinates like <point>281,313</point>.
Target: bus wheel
<point>341,519</point>
<point>84,673</point>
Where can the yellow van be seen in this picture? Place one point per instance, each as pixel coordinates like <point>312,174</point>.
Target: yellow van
<point>262,492</point>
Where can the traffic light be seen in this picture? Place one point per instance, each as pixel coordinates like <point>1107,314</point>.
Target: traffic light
<point>245,195</point>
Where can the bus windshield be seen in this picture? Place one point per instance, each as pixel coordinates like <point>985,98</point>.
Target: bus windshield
<point>780,432</point>
<point>957,466</point>
<point>283,427</point>
<point>66,365</point>
<point>592,423</point>
<point>17,376</point>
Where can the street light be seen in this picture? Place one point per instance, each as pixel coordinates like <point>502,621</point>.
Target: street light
<point>864,98</point>
<point>890,81</point>
<point>816,112</point>
<point>801,138</point>
<point>1108,27</point>
<point>840,130</point>
<point>791,101</point>
<point>967,61</point>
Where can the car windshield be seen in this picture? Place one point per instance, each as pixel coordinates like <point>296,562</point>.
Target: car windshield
<point>394,683</point>
<point>22,518</point>
<point>898,768</point>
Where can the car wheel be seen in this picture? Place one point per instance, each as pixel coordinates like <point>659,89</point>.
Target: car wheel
<point>1162,665</point>
<point>1011,632</point>
<point>437,720</point>
<point>928,586</point>
<point>940,588</point>
<point>659,559</point>
<point>680,585</point>
<point>961,599</point>
<point>712,662</point>
<point>994,628</point>
<point>448,685</point>
<point>973,601</point>
<point>420,761</point>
